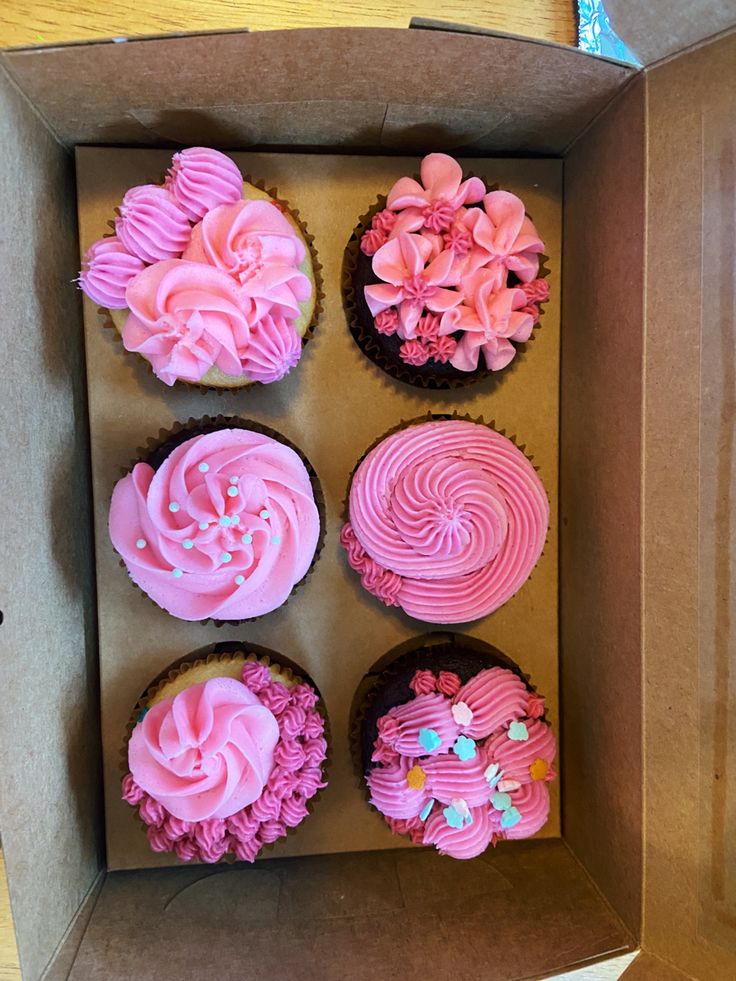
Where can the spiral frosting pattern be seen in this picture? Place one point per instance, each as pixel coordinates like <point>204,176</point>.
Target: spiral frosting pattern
<point>455,510</point>
<point>225,528</point>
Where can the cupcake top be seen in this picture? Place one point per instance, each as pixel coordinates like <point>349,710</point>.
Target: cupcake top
<point>447,519</point>
<point>215,289</point>
<point>225,764</point>
<point>460,766</point>
<point>225,527</point>
<point>454,274</point>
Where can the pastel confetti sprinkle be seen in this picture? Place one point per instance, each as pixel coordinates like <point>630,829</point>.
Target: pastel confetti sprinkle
<point>429,740</point>
<point>500,801</point>
<point>518,732</point>
<point>141,543</point>
<point>416,778</point>
<point>510,817</point>
<point>187,543</point>
<point>173,507</point>
<point>234,480</point>
<point>235,519</point>
<point>453,819</point>
<point>461,807</point>
<point>203,467</point>
<point>246,539</point>
<point>425,811</point>
<point>506,786</point>
<point>493,774</point>
<point>203,526</point>
<point>177,573</point>
<point>539,769</point>
<point>264,514</point>
<point>464,748</point>
<point>239,580</point>
<point>224,521</point>
<point>232,492</point>
<point>226,557</point>
<point>462,713</point>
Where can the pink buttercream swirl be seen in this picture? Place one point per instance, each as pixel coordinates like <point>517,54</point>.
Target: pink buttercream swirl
<point>454,511</point>
<point>382,583</point>
<point>212,748</point>
<point>387,322</point>
<point>151,225</point>
<point>449,797</point>
<point>107,270</point>
<point>225,528</point>
<point>437,257</point>
<point>200,179</point>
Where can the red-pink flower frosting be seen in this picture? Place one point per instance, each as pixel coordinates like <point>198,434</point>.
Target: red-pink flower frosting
<point>107,270</point>
<point>454,512</point>
<point>201,179</point>
<point>437,254</point>
<point>225,527</point>
<point>151,225</point>
<point>203,769</point>
<point>463,769</point>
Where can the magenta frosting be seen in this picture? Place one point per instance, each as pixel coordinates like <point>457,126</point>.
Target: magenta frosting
<point>435,256</point>
<point>203,771</point>
<point>486,777</point>
<point>225,528</point>
<point>200,179</point>
<point>107,270</point>
<point>151,225</point>
<point>447,520</point>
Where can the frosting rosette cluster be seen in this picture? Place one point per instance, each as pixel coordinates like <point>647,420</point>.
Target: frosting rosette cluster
<point>460,766</point>
<point>447,519</point>
<point>215,289</point>
<point>224,528</point>
<point>455,270</point>
<point>226,765</point>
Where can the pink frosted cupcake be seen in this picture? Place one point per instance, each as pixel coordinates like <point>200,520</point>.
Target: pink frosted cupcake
<point>454,747</point>
<point>207,277</point>
<point>224,755</point>
<point>443,279</point>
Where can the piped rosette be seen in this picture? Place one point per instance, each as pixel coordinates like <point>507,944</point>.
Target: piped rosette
<point>224,758</point>
<point>466,766</point>
<point>208,278</point>
<point>447,519</point>
<point>223,524</point>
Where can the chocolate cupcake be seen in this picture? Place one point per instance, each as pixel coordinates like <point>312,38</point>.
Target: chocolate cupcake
<point>453,745</point>
<point>220,519</point>
<point>442,278</point>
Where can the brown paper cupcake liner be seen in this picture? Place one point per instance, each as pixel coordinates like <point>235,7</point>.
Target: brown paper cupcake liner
<point>108,323</point>
<point>179,432</point>
<point>366,339</point>
<point>434,650</point>
<point>226,652</point>
<point>435,417</point>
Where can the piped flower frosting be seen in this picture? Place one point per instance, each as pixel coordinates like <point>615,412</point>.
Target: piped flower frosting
<point>451,248</point>
<point>237,289</point>
<point>451,770</point>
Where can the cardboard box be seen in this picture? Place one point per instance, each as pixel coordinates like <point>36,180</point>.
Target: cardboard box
<point>646,487</point>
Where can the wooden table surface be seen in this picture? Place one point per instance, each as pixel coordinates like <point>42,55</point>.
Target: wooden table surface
<point>27,22</point>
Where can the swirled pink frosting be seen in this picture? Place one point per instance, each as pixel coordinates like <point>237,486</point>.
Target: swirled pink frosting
<point>428,248</point>
<point>463,769</point>
<point>210,754</point>
<point>454,512</point>
<point>225,527</point>
<point>107,270</point>
<point>151,225</point>
<point>201,179</point>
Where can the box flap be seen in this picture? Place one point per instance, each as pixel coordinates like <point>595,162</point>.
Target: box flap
<point>660,28</point>
<point>336,87</point>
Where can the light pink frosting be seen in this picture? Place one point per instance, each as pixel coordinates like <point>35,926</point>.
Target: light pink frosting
<point>435,255</point>
<point>207,750</point>
<point>201,179</point>
<point>454,512</point>
<point>207,552</point>
<point>487,779</point>
<point>151,225</point>
<point>206,753</point>
<point>107,270</point>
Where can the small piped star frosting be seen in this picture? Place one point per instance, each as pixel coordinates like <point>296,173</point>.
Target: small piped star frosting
<point>455,771</point>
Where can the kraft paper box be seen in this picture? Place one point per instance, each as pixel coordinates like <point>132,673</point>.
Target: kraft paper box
<point>630,176</point>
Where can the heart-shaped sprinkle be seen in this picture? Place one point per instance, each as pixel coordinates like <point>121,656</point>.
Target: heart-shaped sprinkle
<point>510,817</point>
<point>429,740</point>
<point>518,732</point>
<point>464,748</point>
<point>500,801</point>
<point>462,713</point>
<point>539,769</point>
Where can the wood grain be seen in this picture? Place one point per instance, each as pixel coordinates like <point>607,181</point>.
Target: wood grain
<point>9,968</point>
<point>28,22</point>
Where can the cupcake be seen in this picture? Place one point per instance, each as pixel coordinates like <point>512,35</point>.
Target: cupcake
<point>207,277</point>
<point>221,520</point>
<point>224,755</point>
<point>454,747</point>
<point>442,278</point>
<point>446,520</point>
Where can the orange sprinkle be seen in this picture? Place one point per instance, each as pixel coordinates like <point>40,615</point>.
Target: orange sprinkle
<point>416,777</point>
<point>539,769</point>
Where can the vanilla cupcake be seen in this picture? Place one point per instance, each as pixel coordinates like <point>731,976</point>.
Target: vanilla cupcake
<point>454,747</point>
<point>224,756</point>
<point>208,277</point>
